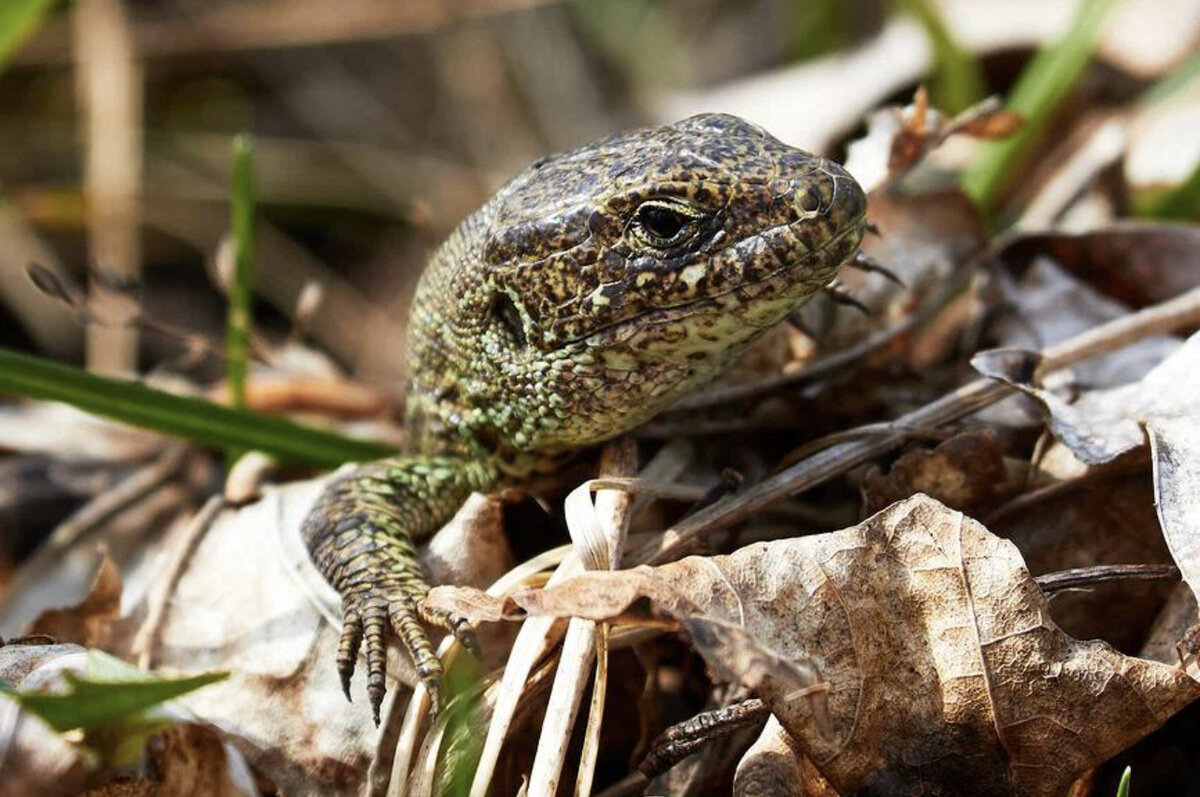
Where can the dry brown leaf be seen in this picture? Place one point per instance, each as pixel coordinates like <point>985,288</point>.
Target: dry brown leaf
<point>945,673</point>
<point>1136,263</point>
<point>1104,516</point>
<point>36,759</point>
<point>90,623</point>
<point>1103,424</point>
<point>193,760</point>
<point>774,765</point>
<point>1051,303</point>
<point>250,602</point>
<point>966,472</point>
<point>899,138</point>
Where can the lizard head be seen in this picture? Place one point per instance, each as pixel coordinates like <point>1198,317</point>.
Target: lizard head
<point>625,273</point>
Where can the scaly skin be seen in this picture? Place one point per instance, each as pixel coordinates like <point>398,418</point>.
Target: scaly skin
<point>585,297</point>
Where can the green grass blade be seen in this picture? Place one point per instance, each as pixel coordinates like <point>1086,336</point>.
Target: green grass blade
<point>1123,787</point>
<point>1047,79</point>
<point>179,416</point>
<point>957,82</point>
<point>241,292</point>
<point>1182,201</point>
<point>18,20</point>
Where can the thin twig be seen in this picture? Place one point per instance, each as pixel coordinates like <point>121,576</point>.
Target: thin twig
<point>858,432</point>
<point>1182,311</point>
<point>104,507</point>
<point>1090,576</point>
<point>147,636</point>
<point>670,491</point>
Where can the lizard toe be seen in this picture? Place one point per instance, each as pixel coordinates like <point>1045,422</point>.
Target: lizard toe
<point>348,647</point>
<point>374,624</point>
<point>461,627</point>
<point>406,623</point>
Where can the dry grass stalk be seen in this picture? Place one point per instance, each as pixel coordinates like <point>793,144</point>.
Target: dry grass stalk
<point>599,534</point>
<point>109,84</point>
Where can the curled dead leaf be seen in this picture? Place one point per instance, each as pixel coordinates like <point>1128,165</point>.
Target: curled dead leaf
<point>1103,424</point>
<point>945,673</point>
<point>1137,263</point>
<point>965,472</point>
<point>92,622</point>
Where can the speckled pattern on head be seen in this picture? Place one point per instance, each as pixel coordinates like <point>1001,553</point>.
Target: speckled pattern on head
<point>585,297</point>
<point>553,318</point>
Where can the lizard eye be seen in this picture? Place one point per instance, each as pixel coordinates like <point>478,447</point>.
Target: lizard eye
<point>504,310</point>
<point>661,225</point>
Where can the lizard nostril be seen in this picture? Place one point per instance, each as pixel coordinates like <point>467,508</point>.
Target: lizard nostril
<point>807,203</point>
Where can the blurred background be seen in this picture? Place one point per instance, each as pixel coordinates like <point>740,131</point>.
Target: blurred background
<point>379,124</point>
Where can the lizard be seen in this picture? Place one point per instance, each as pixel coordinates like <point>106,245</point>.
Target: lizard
<point>587,295</point>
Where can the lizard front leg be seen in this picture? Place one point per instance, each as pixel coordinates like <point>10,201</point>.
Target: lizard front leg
<point>362,536</point>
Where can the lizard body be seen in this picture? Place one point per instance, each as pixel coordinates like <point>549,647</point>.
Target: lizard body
<point>586,296</point>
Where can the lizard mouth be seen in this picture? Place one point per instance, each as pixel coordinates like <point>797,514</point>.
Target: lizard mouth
<point>773,284</point>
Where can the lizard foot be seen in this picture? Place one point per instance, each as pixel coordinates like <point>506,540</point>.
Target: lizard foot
<point>371,611</point>
<point>360,534</point>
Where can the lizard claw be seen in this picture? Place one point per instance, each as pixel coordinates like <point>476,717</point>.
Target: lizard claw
<point>370,614</point>
<point>348,646</point>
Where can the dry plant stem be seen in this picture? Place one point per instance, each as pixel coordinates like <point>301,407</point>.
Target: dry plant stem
<point>1182,311</point>
<point>109,83</point>
<point>147,636</point>
<point>670,491</point>
<point>535,638</point>
<point>591,736</point>
<point>108,505</point>
<point>399,737</point>
<point>611,515</point>
<point>859,432</point>
<point>245,481</point>
<point>1082,577</point>
<point>681,740</point>
<point>574,662</point>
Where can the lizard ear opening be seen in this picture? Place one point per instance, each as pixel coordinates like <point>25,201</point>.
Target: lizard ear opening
<point>505,311</point>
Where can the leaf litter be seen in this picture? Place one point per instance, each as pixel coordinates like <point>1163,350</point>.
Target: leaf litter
<point>939,663</point>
